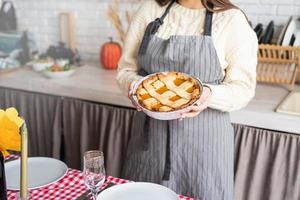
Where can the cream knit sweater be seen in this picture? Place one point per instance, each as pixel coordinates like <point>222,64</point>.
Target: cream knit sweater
<point>234,40</point>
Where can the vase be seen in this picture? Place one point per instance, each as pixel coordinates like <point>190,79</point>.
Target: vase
<point>3,195</point>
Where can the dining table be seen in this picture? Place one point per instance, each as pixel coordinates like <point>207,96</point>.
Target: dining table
<point>69,187</point>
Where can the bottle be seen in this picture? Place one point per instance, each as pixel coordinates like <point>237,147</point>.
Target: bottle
<point>3,195</point>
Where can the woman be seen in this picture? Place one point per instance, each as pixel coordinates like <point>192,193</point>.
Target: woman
<point>209,39</point>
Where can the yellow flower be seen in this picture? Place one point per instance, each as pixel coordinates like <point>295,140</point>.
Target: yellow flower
<point>10,124</point>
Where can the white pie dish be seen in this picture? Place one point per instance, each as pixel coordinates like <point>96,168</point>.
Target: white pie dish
<point>171,115</point>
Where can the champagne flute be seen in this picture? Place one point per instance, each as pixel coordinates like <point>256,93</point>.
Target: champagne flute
<point>94,171</point>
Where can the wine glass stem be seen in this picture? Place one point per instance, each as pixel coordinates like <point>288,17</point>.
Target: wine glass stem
<point>94,194</point>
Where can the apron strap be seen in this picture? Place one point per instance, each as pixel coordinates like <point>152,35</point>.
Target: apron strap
<point>167,170</point>
<point>146,130</point>
<point>208,20</point>
<point>152,28</point>
<point>167,11</point>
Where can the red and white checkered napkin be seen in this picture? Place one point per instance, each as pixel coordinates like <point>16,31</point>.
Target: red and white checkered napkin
<point>12,156</point>
<point>68,188</point>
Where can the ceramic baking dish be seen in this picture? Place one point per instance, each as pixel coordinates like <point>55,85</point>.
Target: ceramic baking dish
<point>163,115</point>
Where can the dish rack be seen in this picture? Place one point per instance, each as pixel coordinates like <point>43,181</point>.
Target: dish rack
<point>278,64</point>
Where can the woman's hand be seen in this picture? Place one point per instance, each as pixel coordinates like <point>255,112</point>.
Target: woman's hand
<point>200,105</point>
<point>130,93</point>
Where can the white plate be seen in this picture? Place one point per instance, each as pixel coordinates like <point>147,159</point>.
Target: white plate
<point>292,29</point>
<point>62,74</point>
<point>42,171</point>
<point>283,30</point>
<point>138,191</point>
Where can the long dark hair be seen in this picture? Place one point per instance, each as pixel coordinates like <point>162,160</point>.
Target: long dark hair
<point>219,5</point>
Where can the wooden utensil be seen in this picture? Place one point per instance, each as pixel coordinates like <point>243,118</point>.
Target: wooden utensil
<point>67,29</point>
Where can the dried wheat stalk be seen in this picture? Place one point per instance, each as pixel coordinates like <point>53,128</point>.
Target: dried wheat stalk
<point>128,17</point>
<point>114,16</point>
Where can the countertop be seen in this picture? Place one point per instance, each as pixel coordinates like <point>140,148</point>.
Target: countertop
<point>96,84</point>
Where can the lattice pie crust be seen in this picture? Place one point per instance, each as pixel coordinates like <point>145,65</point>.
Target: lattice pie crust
<point>169,91</point>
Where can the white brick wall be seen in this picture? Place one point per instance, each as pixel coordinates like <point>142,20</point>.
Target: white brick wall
<point>40,17</point>
<point>265,10</point>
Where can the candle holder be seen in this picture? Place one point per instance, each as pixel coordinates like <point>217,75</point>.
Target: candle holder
<point>18,196</point>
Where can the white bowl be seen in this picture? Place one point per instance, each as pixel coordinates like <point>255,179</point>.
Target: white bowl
<point>62,62</point>
<point>40,66</point>
<point>163,115</point>
<point>60,74</point>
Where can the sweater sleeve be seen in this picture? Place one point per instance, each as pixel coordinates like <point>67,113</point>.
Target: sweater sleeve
<point>238,86</point>
<point>128,67</point>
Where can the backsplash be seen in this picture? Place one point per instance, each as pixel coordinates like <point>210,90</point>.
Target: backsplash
<point>40,17</point>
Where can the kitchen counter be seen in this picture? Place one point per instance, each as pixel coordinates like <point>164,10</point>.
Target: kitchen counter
<point>98,85</point>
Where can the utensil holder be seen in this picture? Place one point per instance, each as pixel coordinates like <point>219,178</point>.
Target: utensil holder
<point>278,64</point>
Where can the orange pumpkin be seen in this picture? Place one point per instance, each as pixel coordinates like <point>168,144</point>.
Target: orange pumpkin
<point>110,54</point>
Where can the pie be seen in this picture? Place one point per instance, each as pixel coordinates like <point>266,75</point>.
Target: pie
<point>168,91</point>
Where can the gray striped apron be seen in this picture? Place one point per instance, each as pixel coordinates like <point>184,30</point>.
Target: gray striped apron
<point>193,157</point>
